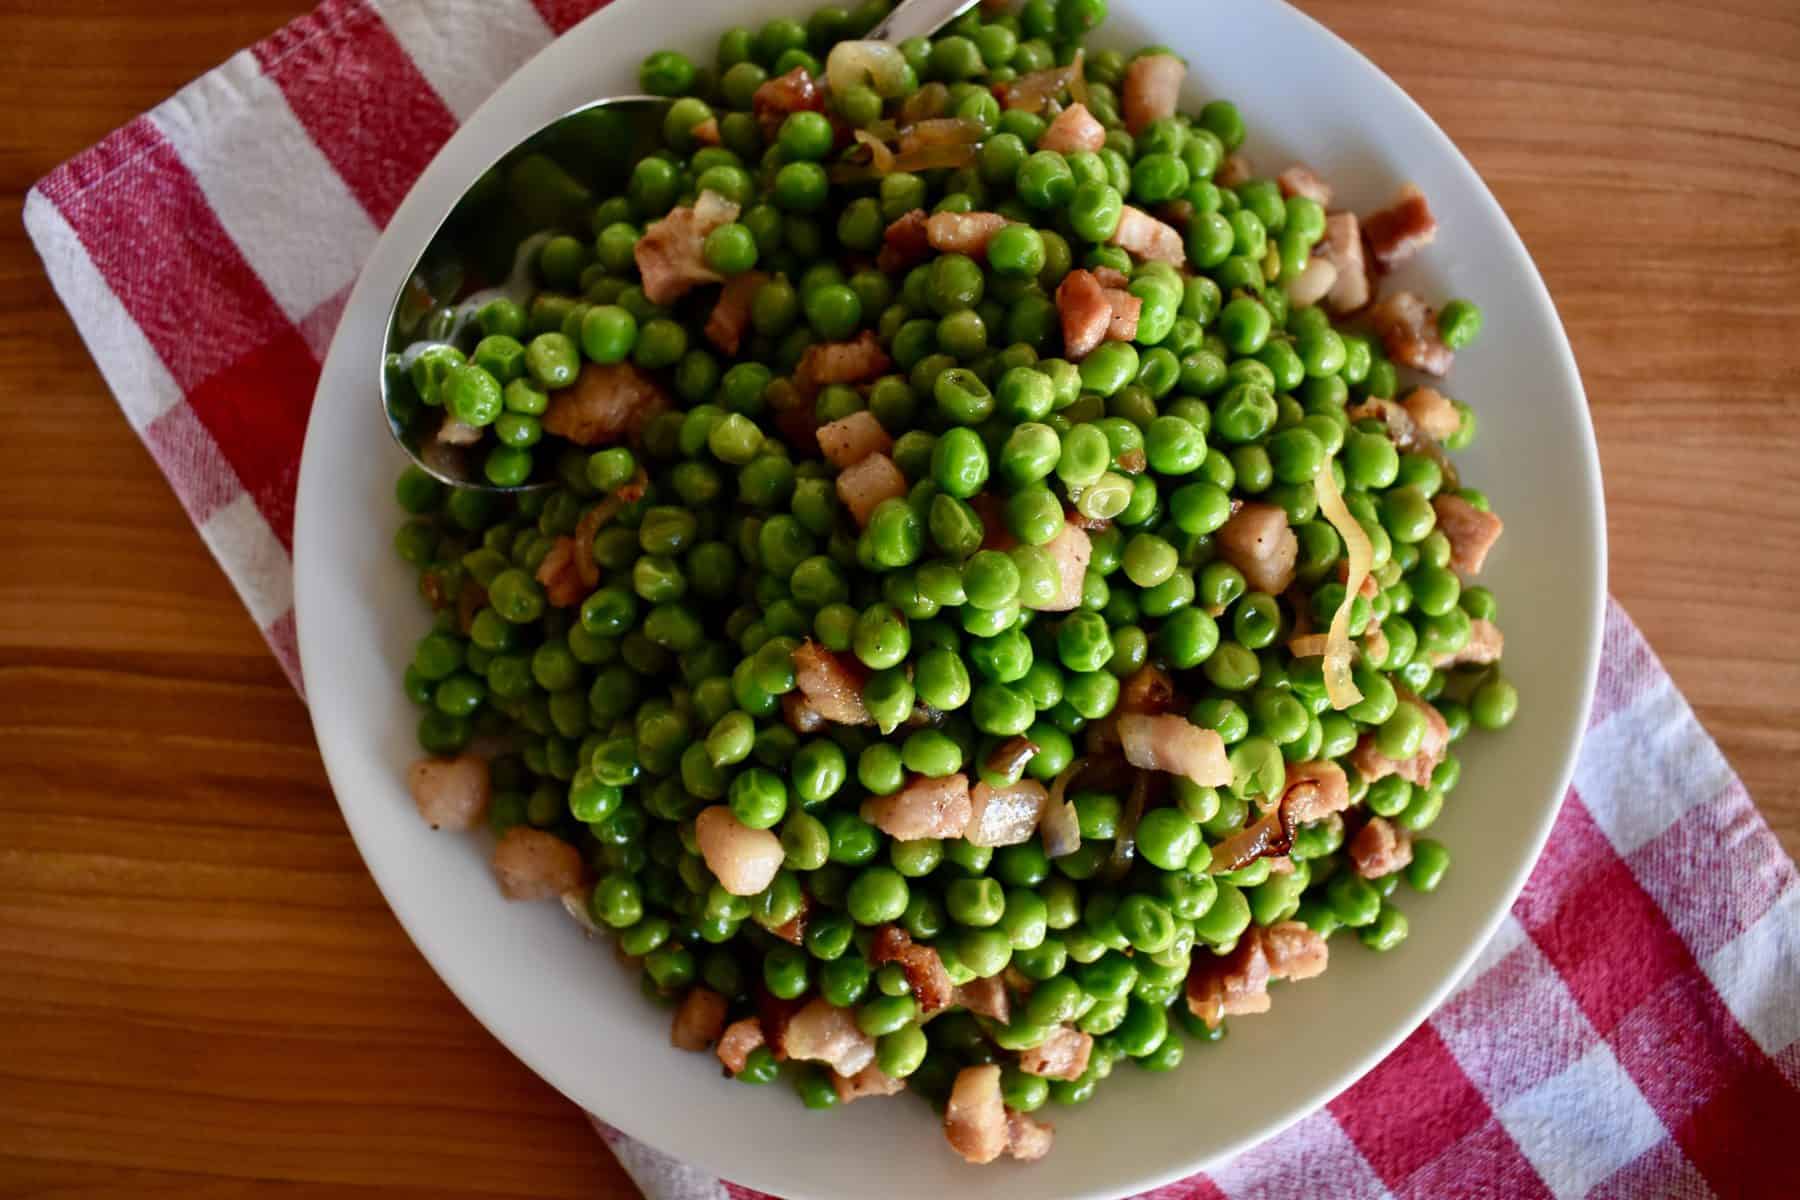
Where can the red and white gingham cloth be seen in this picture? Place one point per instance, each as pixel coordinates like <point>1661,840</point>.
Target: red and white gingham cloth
<point>1634,1028</point>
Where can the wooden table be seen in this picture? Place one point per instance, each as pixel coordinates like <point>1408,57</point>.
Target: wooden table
<point>202,989</point>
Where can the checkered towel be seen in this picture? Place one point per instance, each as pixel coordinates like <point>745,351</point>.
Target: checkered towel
<point>1634,1028</point>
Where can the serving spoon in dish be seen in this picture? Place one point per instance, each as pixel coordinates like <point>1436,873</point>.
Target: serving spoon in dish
<point>551,180</point>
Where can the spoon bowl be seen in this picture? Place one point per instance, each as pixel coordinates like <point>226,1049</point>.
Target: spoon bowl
<point>485,248</point>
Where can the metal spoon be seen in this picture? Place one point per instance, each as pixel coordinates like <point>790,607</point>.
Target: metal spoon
<point>551,180</point>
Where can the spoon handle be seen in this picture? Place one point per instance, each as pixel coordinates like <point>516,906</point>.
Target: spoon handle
<point>918,18</point>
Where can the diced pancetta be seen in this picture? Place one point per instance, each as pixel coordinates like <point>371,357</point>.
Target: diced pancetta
<point>1472,532</point>
<point>1173,744</point>
<point>777,98</point>
<point>1257,541</point>
<point>731,311</point>
<point>1485,645</point>
<point>823,1032</point>
<point>1400,230</point>
<point>924,808</point>
<point>533,865</point>
<point>925,974</point>
<point>832,685</point>
<point>1151,89</point>
<point>1294,951</point>
<point>1237,984</point>
<point>985,997</point>
<point>1314,791</point>
<point>848,440</point>
<point>744,860</point>
<point>1071,551</point>
<point>1027,1138</point>
<point>608,402</point>
<point>1143,235</point>
<point>1432,412</point>
<point>975,1118</point>
<point>963,233</point>
<point>1380,848</point>
<point>669,254</point>
<point>450,793</point>
<point>1073,131</point>
<point>906,242</point>
<point>859,360</point>
<point>736,1043</point>
<point>1086,313</point>
<point>800,715</point>
<point>1063,1056</point>
<point>863,486</point>
<point>1301,180</point>
<point>870,1081</point>
<point>1126,308</point>
<point>1409,333</point>
<point>1372,764</point>
<point>1342,248</point>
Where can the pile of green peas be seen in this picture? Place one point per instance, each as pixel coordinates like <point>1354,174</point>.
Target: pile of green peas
<point>661,692</point>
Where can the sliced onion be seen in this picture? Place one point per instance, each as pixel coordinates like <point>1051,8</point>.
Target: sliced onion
<point>1061,827</point>
<point>575,903</point>
<point>1338,684</point>
<point>1309,645</point>
<point>875,64</point>
<point>880,156</point>
<point>940,131</point>
<point>1030,91</point>
<point>1009,757</point>
<point>1125,841</point>
<point>1078,89</point>
<point>924,104</point>
<point>921,158</point>
<point>1268,834</point>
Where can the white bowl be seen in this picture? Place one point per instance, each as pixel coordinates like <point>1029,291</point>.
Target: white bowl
<point>563,1005</point>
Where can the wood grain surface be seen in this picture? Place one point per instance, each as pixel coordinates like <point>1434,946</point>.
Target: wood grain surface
<point>203,994</point>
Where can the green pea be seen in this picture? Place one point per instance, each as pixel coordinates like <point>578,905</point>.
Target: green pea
<point>1144,1028</point>
<point>1094,211</point>
<point>990,579</point>
<point>985,952</point>
<point>1494,704</point>
<point>1386,931</point>
<point>1001,710</point>
<point>805,842</point>
<point>1459,324</point>
<point>959,463</point>
<point>1109,367</point>
<point>882,1015</point>
<point>932,753</point>
<point>673,967</point>
<point>881,638</point>
<point>877,895</point>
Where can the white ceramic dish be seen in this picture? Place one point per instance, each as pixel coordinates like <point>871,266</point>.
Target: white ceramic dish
<point>562,1004</point>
